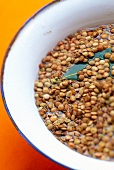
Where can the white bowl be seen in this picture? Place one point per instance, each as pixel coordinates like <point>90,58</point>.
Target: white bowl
<point>38,36</point>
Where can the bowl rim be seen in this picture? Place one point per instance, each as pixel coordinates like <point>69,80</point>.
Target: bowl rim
<point>2,88</point>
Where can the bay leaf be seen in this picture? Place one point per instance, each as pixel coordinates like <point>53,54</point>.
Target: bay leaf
<point>101,54</point>
<point>72,73</point>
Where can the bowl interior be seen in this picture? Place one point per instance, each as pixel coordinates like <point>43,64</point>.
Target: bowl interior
<point>38,36</point>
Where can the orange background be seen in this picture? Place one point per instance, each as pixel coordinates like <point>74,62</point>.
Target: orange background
<point>15,152</point>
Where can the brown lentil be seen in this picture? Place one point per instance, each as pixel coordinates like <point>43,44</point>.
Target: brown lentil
<point>112,57</point>
<point>80,113</point>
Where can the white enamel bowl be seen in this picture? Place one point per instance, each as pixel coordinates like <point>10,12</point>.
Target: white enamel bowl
<point>38,36</point>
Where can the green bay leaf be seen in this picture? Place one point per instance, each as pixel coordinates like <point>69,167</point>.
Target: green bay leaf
<point>72,73</point>
<point>101,54</point>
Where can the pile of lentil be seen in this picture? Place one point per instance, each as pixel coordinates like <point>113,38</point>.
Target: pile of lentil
<point>80,113</point>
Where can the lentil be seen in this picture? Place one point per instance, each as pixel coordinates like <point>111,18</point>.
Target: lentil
<point>80,113</point>
<point>112,57</point>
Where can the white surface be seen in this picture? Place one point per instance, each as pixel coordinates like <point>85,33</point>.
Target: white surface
<point>21,68</point>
